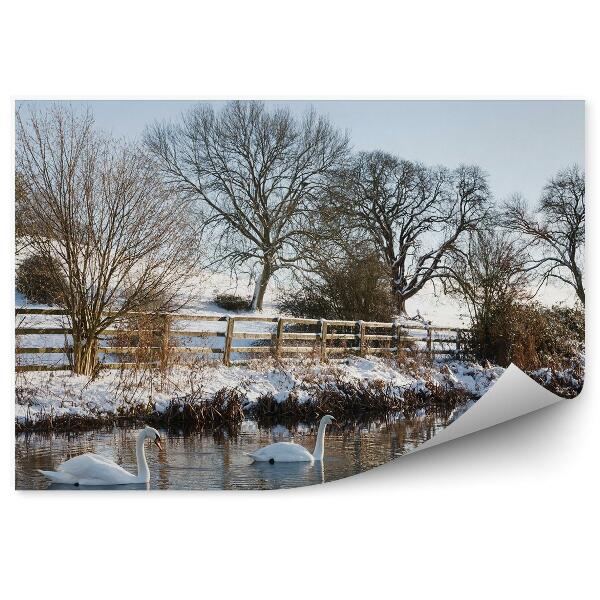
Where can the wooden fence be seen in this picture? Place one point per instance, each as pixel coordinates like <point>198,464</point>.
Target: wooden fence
<point>287,336</point>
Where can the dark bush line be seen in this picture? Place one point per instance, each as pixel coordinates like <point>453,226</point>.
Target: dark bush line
<point>440,400</point>
<point>228,408</point>
<point>72,423</point>
<point>354,400</point>
<point>224,409</point>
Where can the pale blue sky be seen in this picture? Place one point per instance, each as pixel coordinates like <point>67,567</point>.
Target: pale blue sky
<point>519,143</point>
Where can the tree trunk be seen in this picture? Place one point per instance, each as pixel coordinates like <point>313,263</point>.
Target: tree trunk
<point>579,288</point>
<point>400,304</point>
<point>261,286</point>
<point>85,354</point>
<point>398,283</point>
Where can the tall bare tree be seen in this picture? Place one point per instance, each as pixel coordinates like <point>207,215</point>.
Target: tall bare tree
<point>556,228</point>
<point>97,212</point>
<point>414,215</point>
<point>256,173</point>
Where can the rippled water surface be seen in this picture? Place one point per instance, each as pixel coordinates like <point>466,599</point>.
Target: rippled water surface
<point>205,460</point>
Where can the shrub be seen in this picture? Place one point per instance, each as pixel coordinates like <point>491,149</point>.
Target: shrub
<point>529,335</point>
<point>40,279</point>
<point>145,331</point>
<point>157,302</point>
<point>232,302</point>
<point>354,288</point>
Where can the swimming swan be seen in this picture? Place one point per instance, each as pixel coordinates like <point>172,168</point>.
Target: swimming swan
<point>93,469</point>
<point>290,452</point>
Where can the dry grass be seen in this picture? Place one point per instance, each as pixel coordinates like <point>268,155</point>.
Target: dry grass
<point>354,400</point>
<point>224,409</point>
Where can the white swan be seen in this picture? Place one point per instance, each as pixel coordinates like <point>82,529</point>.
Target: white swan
<point>93,469</point>
<point>290,452</point>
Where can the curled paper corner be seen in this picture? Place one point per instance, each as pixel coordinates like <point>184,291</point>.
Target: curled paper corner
<point>513,395</point>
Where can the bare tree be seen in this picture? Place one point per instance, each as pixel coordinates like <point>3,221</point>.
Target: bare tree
<point>488,271</point>
<point>414,215</point>
<point>97,210</point>
<point>556,229</point>
<point>256,173</point>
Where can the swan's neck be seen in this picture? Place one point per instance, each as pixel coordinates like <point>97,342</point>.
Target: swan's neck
<point>318,453</point>
<point>143,470</point>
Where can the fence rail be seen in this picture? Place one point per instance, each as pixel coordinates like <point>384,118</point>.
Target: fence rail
<point>289,337</point>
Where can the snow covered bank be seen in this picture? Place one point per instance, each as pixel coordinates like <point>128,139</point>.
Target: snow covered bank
<point>41,394</point>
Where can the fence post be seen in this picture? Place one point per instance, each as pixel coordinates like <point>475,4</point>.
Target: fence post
<point>430,342</point>
<point>323,338</point>
<point>362,341</point>
<point>228,341</point>
<point>397,331</point>
<point>278,336</point>
<point>458,345</point>
<point>165,334</point>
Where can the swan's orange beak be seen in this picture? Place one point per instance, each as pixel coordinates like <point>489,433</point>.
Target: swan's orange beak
<point>157,442</point>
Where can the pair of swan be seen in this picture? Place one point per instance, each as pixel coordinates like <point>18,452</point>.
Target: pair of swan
<point>92,469</point>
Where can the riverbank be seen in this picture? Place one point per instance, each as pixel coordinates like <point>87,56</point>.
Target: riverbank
<point>207,394</point>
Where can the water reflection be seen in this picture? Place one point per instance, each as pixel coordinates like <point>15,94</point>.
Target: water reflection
<point>129,486</point>
<point>217,460</point>
<point>282,474</point>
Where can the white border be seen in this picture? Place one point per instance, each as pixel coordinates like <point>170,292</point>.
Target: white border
<point>507,513</point>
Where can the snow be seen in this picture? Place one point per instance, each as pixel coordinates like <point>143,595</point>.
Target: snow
<point>42,393</point>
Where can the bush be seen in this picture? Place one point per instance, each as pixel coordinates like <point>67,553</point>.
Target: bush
<point>529,335</point>
<point>40,280</point>
<point>232,302</point>
<point>355,288</point>
<point>155,302</point>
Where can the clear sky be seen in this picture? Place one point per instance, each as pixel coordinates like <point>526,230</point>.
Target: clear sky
<point>519,143</point>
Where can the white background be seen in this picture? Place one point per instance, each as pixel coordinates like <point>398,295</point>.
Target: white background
<point>506,513</point>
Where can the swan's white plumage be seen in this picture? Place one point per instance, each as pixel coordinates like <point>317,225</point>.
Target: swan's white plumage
<point>282,452</point>
<point>96,467</point>
<point>290,452</point>
<point>93,469</point>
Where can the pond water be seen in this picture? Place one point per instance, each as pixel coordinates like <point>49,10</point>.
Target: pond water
<point>205,460</point>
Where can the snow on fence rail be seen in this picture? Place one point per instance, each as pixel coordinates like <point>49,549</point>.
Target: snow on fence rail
<point>278,336</point>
